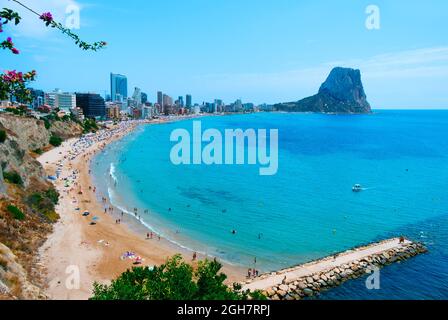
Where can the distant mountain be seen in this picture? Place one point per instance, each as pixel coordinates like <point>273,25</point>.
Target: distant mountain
<point>342,92</point>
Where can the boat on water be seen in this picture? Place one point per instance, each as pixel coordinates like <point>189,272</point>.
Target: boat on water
<point>357,188</point>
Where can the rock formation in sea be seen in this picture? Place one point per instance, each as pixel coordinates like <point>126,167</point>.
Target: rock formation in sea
<point>342,92</point>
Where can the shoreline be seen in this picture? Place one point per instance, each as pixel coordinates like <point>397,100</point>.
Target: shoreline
<point>75,247</point>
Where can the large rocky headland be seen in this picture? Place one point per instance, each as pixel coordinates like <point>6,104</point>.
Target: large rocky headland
<point>342,92</point>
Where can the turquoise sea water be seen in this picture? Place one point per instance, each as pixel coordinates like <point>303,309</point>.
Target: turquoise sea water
<point>307,210</point>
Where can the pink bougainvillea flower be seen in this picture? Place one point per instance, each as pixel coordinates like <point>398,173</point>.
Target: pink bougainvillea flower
<point>9,39</point>
<point>47,17</point>
<point>15,51</point>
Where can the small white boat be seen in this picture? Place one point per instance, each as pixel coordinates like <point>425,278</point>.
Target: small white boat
<point>357,188</point>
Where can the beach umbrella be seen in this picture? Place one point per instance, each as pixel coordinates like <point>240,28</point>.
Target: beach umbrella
<point>86,213</point>
<point>95,219</point>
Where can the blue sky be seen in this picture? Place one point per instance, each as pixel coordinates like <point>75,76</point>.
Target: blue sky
<point>256,50</point>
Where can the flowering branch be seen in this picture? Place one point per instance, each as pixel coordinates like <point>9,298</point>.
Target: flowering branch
<point>13,83</point>
<point>47,17</point>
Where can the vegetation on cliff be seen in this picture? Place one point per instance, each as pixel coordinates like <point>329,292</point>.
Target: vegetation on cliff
<point>55,141</point>
<point>2,136</point>
<point>15,212</point>
<point>13,177</point>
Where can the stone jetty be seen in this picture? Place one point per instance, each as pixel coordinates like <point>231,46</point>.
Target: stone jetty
<point>309,279</point>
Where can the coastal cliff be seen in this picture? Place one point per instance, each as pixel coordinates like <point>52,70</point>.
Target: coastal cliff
<point>27,200</point>
<point>342,92</point>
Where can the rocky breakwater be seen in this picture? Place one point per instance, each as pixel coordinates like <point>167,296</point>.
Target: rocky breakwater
<point>311,284</point>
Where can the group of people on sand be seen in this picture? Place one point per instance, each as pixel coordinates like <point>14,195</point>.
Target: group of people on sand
<point>150,236</point>
<point>252,273</point>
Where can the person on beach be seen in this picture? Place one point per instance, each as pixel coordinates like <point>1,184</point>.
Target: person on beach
<point>195,256</point>
<point>249,273</point>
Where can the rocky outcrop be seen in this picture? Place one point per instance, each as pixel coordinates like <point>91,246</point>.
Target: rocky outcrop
<point>313,284</point>
<point>66,130</point>
<point>26,135</point>
<point>342,92</point>
<point>14,282</point>
<point>2,184</point>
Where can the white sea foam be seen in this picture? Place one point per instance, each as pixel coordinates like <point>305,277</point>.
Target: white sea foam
<point>112,172</point>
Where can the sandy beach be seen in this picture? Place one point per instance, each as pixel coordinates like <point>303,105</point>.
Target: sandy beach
<point>93,246</point>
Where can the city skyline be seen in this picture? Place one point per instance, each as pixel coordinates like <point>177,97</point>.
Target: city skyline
<point>255,51</point>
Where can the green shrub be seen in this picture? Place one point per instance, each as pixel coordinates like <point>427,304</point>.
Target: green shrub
<point>13,177</point>
<point>38,151</point>
<point>16,212</point>
<point>53,195</point>
<point>174,280</point>
<point>47,123</point>
<point>55,141</point>
<point>89,125</point>
<point>44,203</point>
<point>16,111</point>
<point>2,136</point>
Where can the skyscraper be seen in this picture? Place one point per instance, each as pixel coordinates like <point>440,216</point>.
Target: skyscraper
<point>188,101</point>
<point>181,101</point>
<point>118,87</point>
<point>144,98</point>
<point>137,96</point>
<point>167,100</point>
<point>160,98</point>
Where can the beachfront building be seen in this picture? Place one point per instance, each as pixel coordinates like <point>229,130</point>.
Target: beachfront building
<point>78,113</point>
<point>38,98</point>
<point>197,109</point>
<point>118,87</point>
<point>188,102</point>
<point>238,106</point>
<point>137,97</point>
<point>160,98</point>
<point>4,104</point>
<point>113,111</point>
<point>92,105</point>
<point>61,100</point>
<point>144,98</point>
<point>148,112</point>
<point>181,101</point>
<point>167,100</point>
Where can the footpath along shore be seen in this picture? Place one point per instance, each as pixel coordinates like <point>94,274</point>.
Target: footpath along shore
<point>309,279</point>
<point>93,246</point>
